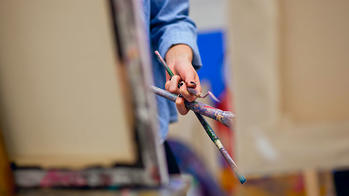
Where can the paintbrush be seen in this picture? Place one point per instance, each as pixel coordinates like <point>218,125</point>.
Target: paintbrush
<point>210,131</point>
<point>220,147</point>
<point>224,117</point>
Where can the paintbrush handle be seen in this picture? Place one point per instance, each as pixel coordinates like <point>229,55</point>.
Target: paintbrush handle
<point>169,71</point>
<point>220,146</point>
<point>164,93</point>
<point>225,117</point>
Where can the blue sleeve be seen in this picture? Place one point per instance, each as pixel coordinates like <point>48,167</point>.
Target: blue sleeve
<point>170,25</point>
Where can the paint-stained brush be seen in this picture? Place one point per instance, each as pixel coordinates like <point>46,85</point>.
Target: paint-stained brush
<point>220,147</point>
<point>224,117</point>
<point>210,132</point>
<point>164,63</point>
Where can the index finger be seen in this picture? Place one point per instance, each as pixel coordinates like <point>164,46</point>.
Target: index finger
<point>192,81</point>
<point>183,90</point>
<point>194,88</point>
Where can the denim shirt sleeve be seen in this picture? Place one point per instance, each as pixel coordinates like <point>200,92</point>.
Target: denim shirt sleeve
<point>170,25</point>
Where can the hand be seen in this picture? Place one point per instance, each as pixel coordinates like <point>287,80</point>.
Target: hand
<point>179,58</point>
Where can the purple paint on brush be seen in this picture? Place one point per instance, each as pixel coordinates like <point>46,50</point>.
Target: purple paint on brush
<point>224,117</point>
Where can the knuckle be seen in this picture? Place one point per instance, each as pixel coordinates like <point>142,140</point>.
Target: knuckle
<point>167,84</point>
<point>172,89</point>
<point>176,78</point>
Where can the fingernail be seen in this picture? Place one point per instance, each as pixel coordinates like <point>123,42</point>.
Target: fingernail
<point>180,84</point>
<point>192,84</point>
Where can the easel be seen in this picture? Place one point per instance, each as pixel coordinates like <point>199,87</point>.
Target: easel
<point>6,178</point>
<point>104,51</point>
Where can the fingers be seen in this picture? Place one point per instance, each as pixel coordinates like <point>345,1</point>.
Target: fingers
<point>185,93</point>
<point>191,79</point>
<point>194,88</point>
<point>181,106</point>
<point>172,85</point>
<point>190,89</point>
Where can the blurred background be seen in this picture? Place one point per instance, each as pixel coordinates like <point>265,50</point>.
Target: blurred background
<point>281,66</point>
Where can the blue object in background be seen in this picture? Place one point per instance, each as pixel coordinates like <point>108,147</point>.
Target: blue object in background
<point>212,49</point>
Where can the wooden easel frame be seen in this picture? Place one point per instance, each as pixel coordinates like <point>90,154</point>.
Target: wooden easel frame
<point>149,168</point>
